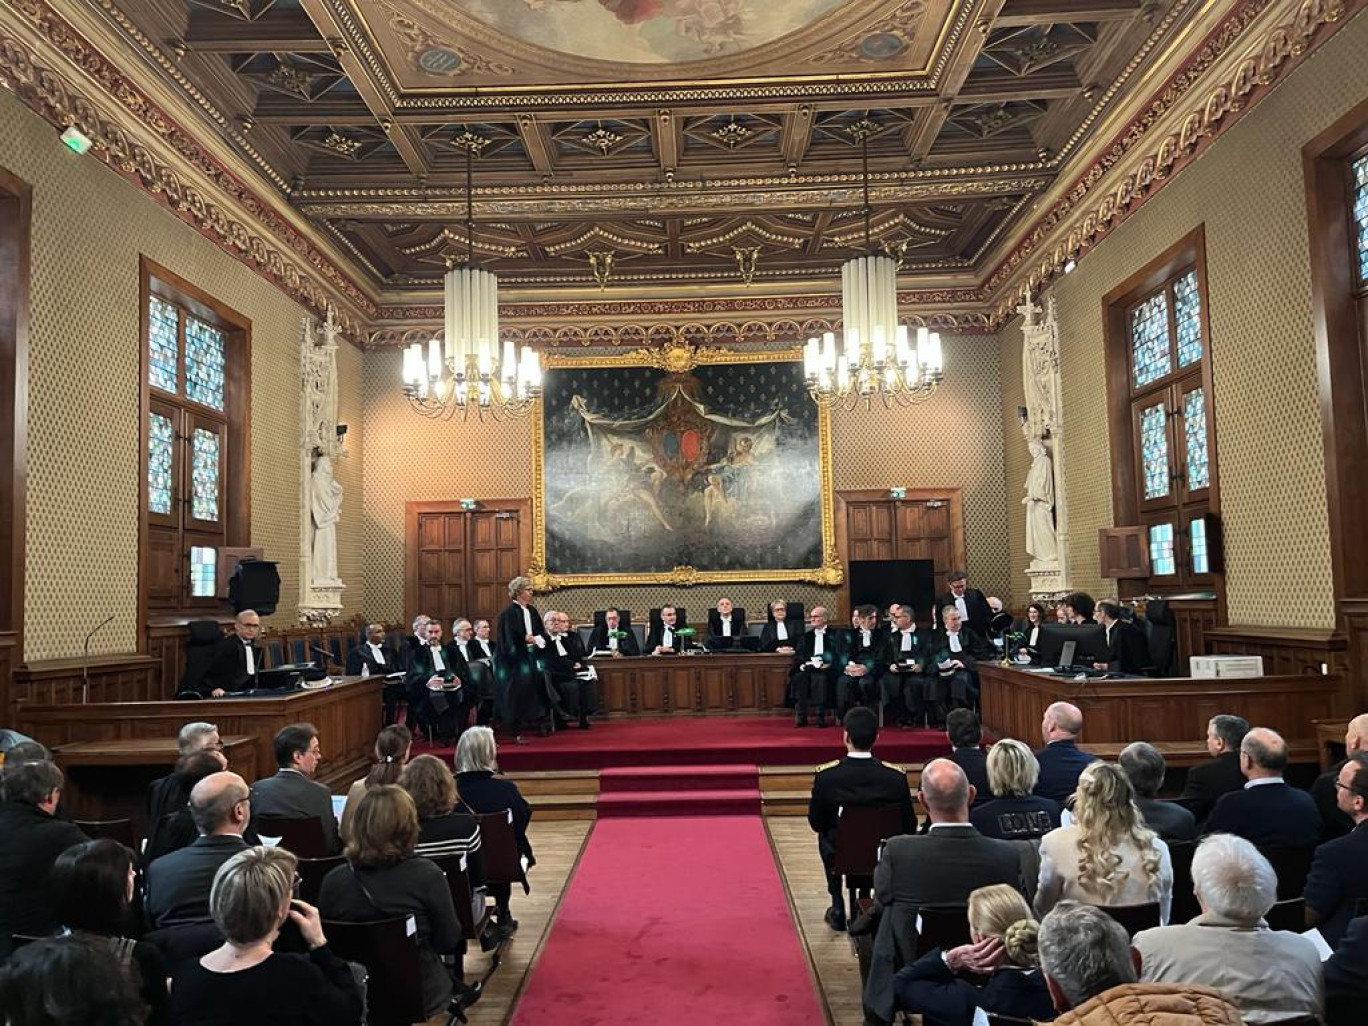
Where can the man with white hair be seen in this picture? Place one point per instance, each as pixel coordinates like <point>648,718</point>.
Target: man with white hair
<point>1270,975</point>
<point>168,794</point>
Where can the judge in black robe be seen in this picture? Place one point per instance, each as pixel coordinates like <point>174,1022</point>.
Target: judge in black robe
<point>600,639</point>
<point>566,660</point>
<point>858,680</point>
<point>726,625</point>
<point>973,606</point>
<point>443,709</point>
<point>902,664</point>
<point>779,631</point>
<point>519,661</point>
<point>237,660</point>
<point>815,667</point>
<point>663,638</point>
<point>952,671</point>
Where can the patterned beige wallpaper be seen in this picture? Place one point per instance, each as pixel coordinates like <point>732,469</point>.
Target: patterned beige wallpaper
<point>955,439</point>
<point>1016,462</point>
<point>1248,190</point>
<point>89,228</point>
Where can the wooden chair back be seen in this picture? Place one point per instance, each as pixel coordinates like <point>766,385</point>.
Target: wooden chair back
<point>499,843</point>
<point>311,873</point>
<point>859,832</point>
<point>120,830</point>
<point>943,927</point>
<point>302,835</point>
<point>1134,917</point>
<point>462,895</point>
<point>390,954</point>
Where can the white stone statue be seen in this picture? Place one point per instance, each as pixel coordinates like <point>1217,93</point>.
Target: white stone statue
<point>1040,368</point>
<point>325,507</point>
<point>1041,540</point>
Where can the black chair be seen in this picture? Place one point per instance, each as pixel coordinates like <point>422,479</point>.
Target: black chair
<point>302,835</point>
<point>1287,915</point>
<point>1185,905</point>
<point>1292,863</point>
<point>942,926</point>
<point>394,988</point>
<point>311,873</point>
<point>499,844</point>
<point>1134,917</point>
<point>859,833</point>
<point>120,830</point>
<point>199,656</point>
<point>1161,639</point>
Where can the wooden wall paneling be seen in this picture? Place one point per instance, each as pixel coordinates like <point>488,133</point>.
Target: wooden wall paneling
<point>1192,619</point>
<point>1285,651</point>
<point>112,678</point>
<point>924,524</point>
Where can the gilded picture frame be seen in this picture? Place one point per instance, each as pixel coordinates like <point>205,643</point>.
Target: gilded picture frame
<point>677,360</point>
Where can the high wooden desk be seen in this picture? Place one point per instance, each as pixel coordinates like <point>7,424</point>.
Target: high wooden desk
<point>1170,712</point>
<point>347,716</point>
<point>712,684</point>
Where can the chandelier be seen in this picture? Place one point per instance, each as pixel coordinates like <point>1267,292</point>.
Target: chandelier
<point>876,359</point>
<point>461,370</point>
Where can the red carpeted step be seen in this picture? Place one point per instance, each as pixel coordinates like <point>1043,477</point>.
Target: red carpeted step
<point>678,778</point>
<point>730,802</point>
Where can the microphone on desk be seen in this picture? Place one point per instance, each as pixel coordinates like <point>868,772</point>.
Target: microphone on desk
<point>319,651</point>
<point>85,659</point>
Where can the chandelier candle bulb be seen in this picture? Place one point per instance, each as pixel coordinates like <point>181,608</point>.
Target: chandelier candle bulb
<point>434,359</point>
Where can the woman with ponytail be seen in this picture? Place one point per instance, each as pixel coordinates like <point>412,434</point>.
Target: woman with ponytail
<point>392,746</point>
<point>1002,954</point>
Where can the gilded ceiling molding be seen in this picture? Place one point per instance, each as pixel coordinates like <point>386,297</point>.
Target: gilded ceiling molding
<point>1136,176</point>
<point>48,92</point>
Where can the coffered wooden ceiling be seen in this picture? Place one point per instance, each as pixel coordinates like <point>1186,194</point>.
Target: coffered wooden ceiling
<point>684,137</point>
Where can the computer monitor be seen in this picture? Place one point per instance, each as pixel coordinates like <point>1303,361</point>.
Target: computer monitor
<point>1090,643</point>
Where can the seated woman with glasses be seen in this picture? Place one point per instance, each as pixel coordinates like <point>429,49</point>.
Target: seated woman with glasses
<point>244,982</point>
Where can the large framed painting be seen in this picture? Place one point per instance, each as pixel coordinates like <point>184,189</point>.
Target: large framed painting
<point>681,466</point>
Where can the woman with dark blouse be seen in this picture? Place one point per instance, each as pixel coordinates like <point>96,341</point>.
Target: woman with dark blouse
<point>92,891</point>
<point>244,982</point>
<point>383,879</point>
<point>482,790</point>
<point>1014,814</point>
<point>442,828</point>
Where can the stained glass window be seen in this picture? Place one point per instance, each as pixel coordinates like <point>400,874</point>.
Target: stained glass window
<point>1150,359</point>
<point>1154,450</point>
<point>1187,312</point>
<point>202,570</point>
<point>163,349</point>
<point>159,453</point>
<point>204,362</point>
<point>1361,215</point>
<point>1195,439</point>
<point>204,473</point>
<point>1197,539</point>
<point>1162,560</point>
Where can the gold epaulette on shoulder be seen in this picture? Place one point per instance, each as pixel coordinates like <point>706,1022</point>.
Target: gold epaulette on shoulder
<point>827,765</point>
<point>895,766</point>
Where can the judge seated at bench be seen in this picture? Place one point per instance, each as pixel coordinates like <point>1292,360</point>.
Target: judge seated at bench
<point>726,624</point>
<point>1125,643</point>
<point>613,635</point>
<point>780,633</point>
<point>566,667</point>
<point>236,660</point>
<point>664,638</point>
<point>371,658</point>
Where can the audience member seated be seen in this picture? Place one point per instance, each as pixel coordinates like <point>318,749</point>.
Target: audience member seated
<point>952,669</point>
<point>858,681</point>
<point>178,884</point>
<point>1144,767</point>
<point>1061,760</point>
<point>442,828</point>
<point>902,663</point>
<point>1106,856</point>
<point>92,887</point>
<point>1346,977</point>
<point>482,790</point>
<point>20,753</point>
<point>1325,792</point>
<point>1086,958</point>
<point>965,735</point>
<point>66,981</point>
<point>1028,644</point>
<point>31,838</point>
<point>170,793</point>
<point>780,634</point>
<point>371,658</point>
<point>384,879</point>
<point>1207,782</point>
<point>566,660</point>
<point>292,793</point>
<point>971,604</point>
<point>1125,644</point>
<point>1002,953</point>
<point>392,747</point>
<point>813,675</point>
<point>613,636</point>
<point>1268,811</point>
<point>857,780</point>
<point>244,982</point>
<point>725,624</point>
<point>941,867</point>
<point>1270,975</point>
<point>236,660</point>
<point>1015,813</point>
<point>664,638</point>
<point>1337,883</point>
<point>176,828</point>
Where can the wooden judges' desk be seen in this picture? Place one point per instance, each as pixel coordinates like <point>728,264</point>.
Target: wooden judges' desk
<point>719,682</point>
<point>1171,712</point>
<point>347,716</point>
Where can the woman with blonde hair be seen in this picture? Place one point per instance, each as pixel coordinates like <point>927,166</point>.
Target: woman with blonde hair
<point>1106,856</point>
<point>1015,813</point>
<point>1003,948</point>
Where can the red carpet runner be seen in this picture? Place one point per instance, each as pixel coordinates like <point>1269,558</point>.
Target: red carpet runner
<point>673,921</point>
<point>679,791</point>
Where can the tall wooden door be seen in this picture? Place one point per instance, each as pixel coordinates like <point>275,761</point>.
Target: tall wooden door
<point>924,524</point>
<point>459,562</point>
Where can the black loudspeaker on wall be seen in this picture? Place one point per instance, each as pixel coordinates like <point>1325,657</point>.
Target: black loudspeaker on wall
<point>879,582</point>
<point>255,585</point>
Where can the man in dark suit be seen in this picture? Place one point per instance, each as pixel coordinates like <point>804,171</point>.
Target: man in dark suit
<point>858,681</point>
<point>857,780</point>
<point>1144,767</point>
<point>974,611</point>
<point>902,664</point>
<point>1346,977</point>
<point>371,656</point>
<point>31,838</point>
<point>565,662</point>
<point>1125,645</point>
<point>1267,811</point>
<point>604,637</point>
<point>236,659</point>
<point>1325,792</point>
<point>1207,782</point>
<point>663,637</point>
<point>813,676</point>
<point>725,625</point>
<point>168,794</point>
<point>965,735</point>
<point>178,884</point>
<point>435,685</point>
<point>1061,760</point>
<point>1337,883</point>
<point>292,793</point>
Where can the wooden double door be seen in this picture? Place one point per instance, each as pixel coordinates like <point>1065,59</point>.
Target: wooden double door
<point>458,562</point>
<point>923,524</point>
